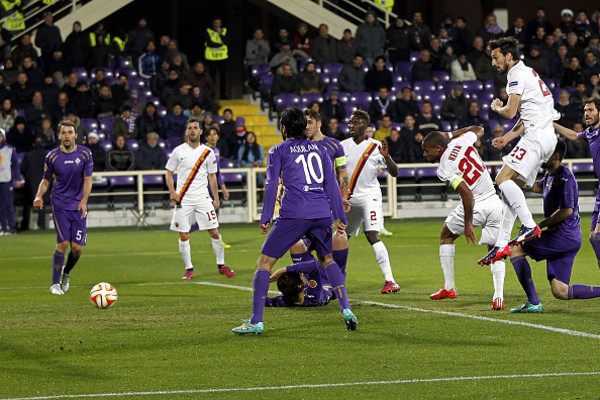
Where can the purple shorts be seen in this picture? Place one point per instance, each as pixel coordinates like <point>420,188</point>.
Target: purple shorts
<point>70,226</point>
<point>559,248</point>
<point>286,232</point>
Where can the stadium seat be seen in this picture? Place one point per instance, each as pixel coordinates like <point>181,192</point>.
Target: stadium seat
<point>218,119</point>
<point>333,68</point>
<point>472,86</point>
<point>397,78</point>
<point>405,68</point>
<point>446,86</point>
<point>406,176</point>
<point>161,111</point>
<point>344,127</point>
<point>154,100</point>
<point>162,143</point>
<point>586,178</point>
<point>307,98</point>
<point>303,65</point>
<point>106,124</point>
<point>420,86</point>
<point>489,84</point>
<point>435,190</point>
<point>441,75</point>
<point>80,71</point>
<point>108,73</point>
<point>136,82</point>
<point>106,145</point>
<point>174,142</point>
<point>446,126</point>
<point>257,70</point>
<point>286,100</point>
<point>132,144</point>
<point>127,71</point>
<point>414,56</point>
<point>349,107</point>
<point>167,151</point>
<point>148,180</point>
<point>124,61</point>
<point>362,99</point>
<point>89,123</point>
<point>437,96</point>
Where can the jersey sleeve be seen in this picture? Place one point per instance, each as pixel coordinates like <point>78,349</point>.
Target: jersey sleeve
<point>569,188</point>
<point>276,301</point>
<point>271,184</point>
<point>333,192</point>
<point>469,137</point>
<point>49,165</point>
<point>516,82</point>
<point>211,163</point>
<point>89,163</point>
<point>172,162</point>
<point>339,156</point>
<point>306,267</point>
<point>449,174</point>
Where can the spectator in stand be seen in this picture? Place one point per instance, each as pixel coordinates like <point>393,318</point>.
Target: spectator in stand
<point>540,21</point>
<point>150,121</point>
<point>182,97</point>
<point>378,76</point>
<point>70,86</point>
<point>24,49</point>
<point>120,157</point>
<point>593,44</point>
<point>549,47</point>
<point>419,33</point>
<point>301,40</point>
<point>382,105</point>
<point>447,59</point>
<point>518,31</point>
<point>569,113</point>
<point>227,127</point>
<point>83,101</point>
<point>173,53</point>
<point>462,40</point>
<point>138,38</point>
<point>106,107</point>
<point>415,149</point>
<point>398,41</point>
<point>8,115</point>
<point>236,141</point>
<point>21,92</point>
<point>396,147</point>
<point>47,38</point>
<point>10,176</point>
<point>574,49</point>
<point>333,108</point>
<point>60,109</point>
<point>171,86</point>
<point>97,83</point>
<point>47,135</point>
<point>539,38</point>
<point>347,48</point>
<point>494,154</point>
<point>579,95</point>
<point>98,153</point>
<point>490,29</point>
<point>534,59</point>
<point>257,48</point>
<point>59,68</point>
<point>409,130</point>
<point>406,104</point>
<point>175,122</point>
<point>36,110</point>
<point>566,24</point>
<point>352,76</point>
<point>384,129</point>
<point>49,90</point>
<point>462,70</point>
<point>455,105</point>
<point>324,47</point>
<point>559,62</point>
<point>309,81</point>
<point>77,47</point>
<point>370,36</point>
<point>286,82</point>
<point>9,73</point>
<point>283,35</point>
<point>124,124</point>
<point>150,156</point>
<point>583,27</point>
<point>287,56</point>
<point>148,63</point>
<point>445,38</point>
<point>207,121</point>
<point>333,130</point>
<point>158,82</point>
<point>100,53</point>
<point>473,118</point>
<point>572,75</point>
<point>436,52</point>
<point>251,154</point>
<point>32,169</point>
<point>35,75</point>
<point>4,90</point>
<point>20,136</point>
<point>590,67</point>
<point>315,106</point>
<point>197,76</point>
<point>216,42</point>
<point>422,70</point>
<point>427,121</point>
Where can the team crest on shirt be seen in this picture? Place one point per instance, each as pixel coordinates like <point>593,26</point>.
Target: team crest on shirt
<point>77,161</point>
<point>312,284</point>
<point>365,155</point>
<point>176,224</point>
<point>2,159</point>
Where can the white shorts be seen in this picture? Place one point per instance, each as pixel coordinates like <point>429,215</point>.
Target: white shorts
<point>534,149</point>
<point>204,214</point>
<point>486,213</point>
<point>367,211</point>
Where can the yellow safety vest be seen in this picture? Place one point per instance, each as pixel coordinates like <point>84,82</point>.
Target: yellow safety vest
<point>215,53</point>
<point>387,4</point>
<point>93,39</point>
<point>120,43</point>
<point>14,22</point>
<point>48,1</point>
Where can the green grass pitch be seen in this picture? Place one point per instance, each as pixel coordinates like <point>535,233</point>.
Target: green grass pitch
<point>170,339</point>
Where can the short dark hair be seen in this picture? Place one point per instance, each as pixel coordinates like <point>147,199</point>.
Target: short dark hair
<point>435,138</point>
<point>295,123</point>
<point>561,148</point>
<point>66,122</point>
<point>362,115</point>
<point>290,284</point>
<point>506,45</point>
<point>309,112</point>
<point>595,100</point>
<point>191,120</point>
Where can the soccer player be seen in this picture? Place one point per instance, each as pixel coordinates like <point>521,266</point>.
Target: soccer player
<point>528,94</point>
<point>461,168</point>
<point>591,135</point>
<point>364,156</point>
<point>310,197</point>
<point>300,251</point>
<point>196,166</point>
<point>303,284</point>
<point>559,242</point>
<point>70,168</point>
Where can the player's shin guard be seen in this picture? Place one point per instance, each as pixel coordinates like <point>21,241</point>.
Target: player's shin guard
<point>260,284</point>
<point>583,292</point>
<point>508,221</point>
<point>516,199</point>
<point>57,263</point>
<point>498,269</point>
<point>335,278</point>
<point>447,262</point>
<point>383,259</point>
<point>523,271</point>
<point>71,261</point>
<point>186,254</point>
<point>301,257</point>
<point>217,245</point>
<point>341,258</point>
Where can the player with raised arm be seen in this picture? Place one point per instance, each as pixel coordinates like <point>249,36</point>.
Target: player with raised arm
<point>528,94</point>
<point>462,169</point>
<point>300,251</point>
<point>590,135</point>
<point>560,240</point>
<point>69,167</point>
<point>310,201</point>
<point>196,166</point>
<point>364,156</point>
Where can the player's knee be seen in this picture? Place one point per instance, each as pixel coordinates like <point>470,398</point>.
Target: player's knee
<point>298,248</point>
<point>62,246</point>
<point>559,290</point>
<point>184,236</point>
<point>214,233</point>
<point>372,237</point>
<point>76,249</point>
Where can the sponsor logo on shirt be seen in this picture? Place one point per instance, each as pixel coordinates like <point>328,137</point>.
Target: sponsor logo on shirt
<point>513,83</point>
<point>69,162</point>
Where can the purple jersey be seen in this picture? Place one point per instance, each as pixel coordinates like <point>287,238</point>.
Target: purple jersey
<point>67,171</point>
<point>560,190</point>
<point>309,188</point>
<point>318,292</point>
<point>591,136</point>
<point>334,150</point>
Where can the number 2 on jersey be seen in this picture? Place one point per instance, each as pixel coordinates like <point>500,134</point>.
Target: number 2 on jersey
<point>543,87</point>
<point>471,166</point>
<point>309,167</point>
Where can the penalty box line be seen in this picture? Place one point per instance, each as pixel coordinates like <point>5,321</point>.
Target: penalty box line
<point>310,386</point>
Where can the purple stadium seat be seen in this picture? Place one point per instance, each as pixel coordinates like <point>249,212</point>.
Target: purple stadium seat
<point>286,100</point>
<point>344,127</point>
<point>167,152</point>
<point>89,123</point>
<point>307,98</point>
<point>441,75</point>
<point>162,143</point>
<point>124,61</point>
<point>99,182</point>
<point>153,100</point>
<point>437,106</point>
<point>119,181</point>
<point>420,86</point>
<point>21,112</point>
<point>332,86</point>
<point>397,78</point>
<point>507,124</point>
<point>437,96</point>
<point>266,81</point>
<point>127,71</point>
<point>258,70</point>
<point>111,80</point>
<point>174,142</point>
<point>485,113</point>
<point>446,126</point>
<point>326,78</point>
<point>333,68</point>
<point>582,168</point>
<point>161,111</point>
<point>349,107</point>
<point>406,172</point>
<point>414,56</point>
<point>363,99</point>
<point>493,124</point>
<point>446,86</point>
<point>80,71</point>
<point>152,179</point>
<point>489,84</point>
<point>344,97</point>
<point>136,82</point>
<point>218,119</point>
<point>132,144</point>
<point>389,66</point>
<point>145,93</point>
<point>106,145</point>
<point>108,73</point>
<point>303,65</point>
<point>472,86</point>
<point>550,83</point>
<point>227,162</point>
<point>404,67</point>
<point>106,124</point>
<point>426,172</point>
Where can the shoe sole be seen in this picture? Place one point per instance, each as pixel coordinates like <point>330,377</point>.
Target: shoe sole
<point>442,298</point>
<point>390,291</point>
<point>247,333</point>
<point>519,242</point>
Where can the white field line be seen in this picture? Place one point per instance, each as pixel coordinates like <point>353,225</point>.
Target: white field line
<point>310,386</point>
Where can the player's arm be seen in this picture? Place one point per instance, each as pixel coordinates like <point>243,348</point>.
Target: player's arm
<point>38,201</point>
<point>510,109</point>
<point>557,216</point>
<point>566,132</point>
<point>335,198</point>
<point>392,168</point>
<point>87,189</point>
<point>342,176</point>
<point>173,196</point>
<point>212,179</point>
<point>467,199</point>
<point>476,129</point>
<point>517,130</point>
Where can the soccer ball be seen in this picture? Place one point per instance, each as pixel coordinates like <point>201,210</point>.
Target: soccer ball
<point>103,295</point>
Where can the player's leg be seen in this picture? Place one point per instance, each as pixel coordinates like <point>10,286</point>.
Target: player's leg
<point>523,271</point>
<point>489,216</point>
<point>62,227</point>
<point>447,249</point>
<point>299,251</point>
<point>595,238</point>
<point>180,222</point>
<point>501,249</point>
<point>219,250</point>
<point>78,240</point>
<point>340,251</point>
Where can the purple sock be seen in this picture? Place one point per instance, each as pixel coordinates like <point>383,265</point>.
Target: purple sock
<point>300,257</point>
<point>261,289</point>
<point>335,278</point>
<point>57,264</point>
<point>596,246</point>
<point>341,258</point>
<point>583,292</point>
<point>523,271</point>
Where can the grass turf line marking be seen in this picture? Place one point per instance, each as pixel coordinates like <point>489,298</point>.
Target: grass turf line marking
<point>310,386</point>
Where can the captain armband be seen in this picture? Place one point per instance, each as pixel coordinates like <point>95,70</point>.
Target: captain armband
<point>454,184</point>
<point>340,161</point>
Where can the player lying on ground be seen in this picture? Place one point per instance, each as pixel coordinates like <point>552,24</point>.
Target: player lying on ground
<point>303,284</point>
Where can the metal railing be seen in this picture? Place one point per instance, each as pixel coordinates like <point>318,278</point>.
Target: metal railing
<point>360,8</point>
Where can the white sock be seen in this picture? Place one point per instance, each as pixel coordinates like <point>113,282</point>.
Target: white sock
<point>447,261</point>
<point>186,255</point>
<point>217,245</point>
<point>516,199</point>
<point>498,269</point>
<point>508,220</point>
<point>381,254</point>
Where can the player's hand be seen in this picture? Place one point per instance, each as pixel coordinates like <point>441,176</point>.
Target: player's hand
<point>384,150</point>
<point>470,234</point>
<point>340,228</point>
<point>277,274</point>
<point>499,142</point>
<point>225,193</point>
<point>264,228</point>
<point>38,202</point>
<point>216,203</point>
<point>174,198</point>
<point>496,105</point>
<point>83,208</point>
<point>346,204</point>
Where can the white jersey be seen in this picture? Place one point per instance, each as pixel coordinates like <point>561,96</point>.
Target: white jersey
<point>461,162</point>
<point>193,167</point>
<point>537,104</point>
<point>363,161</point>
